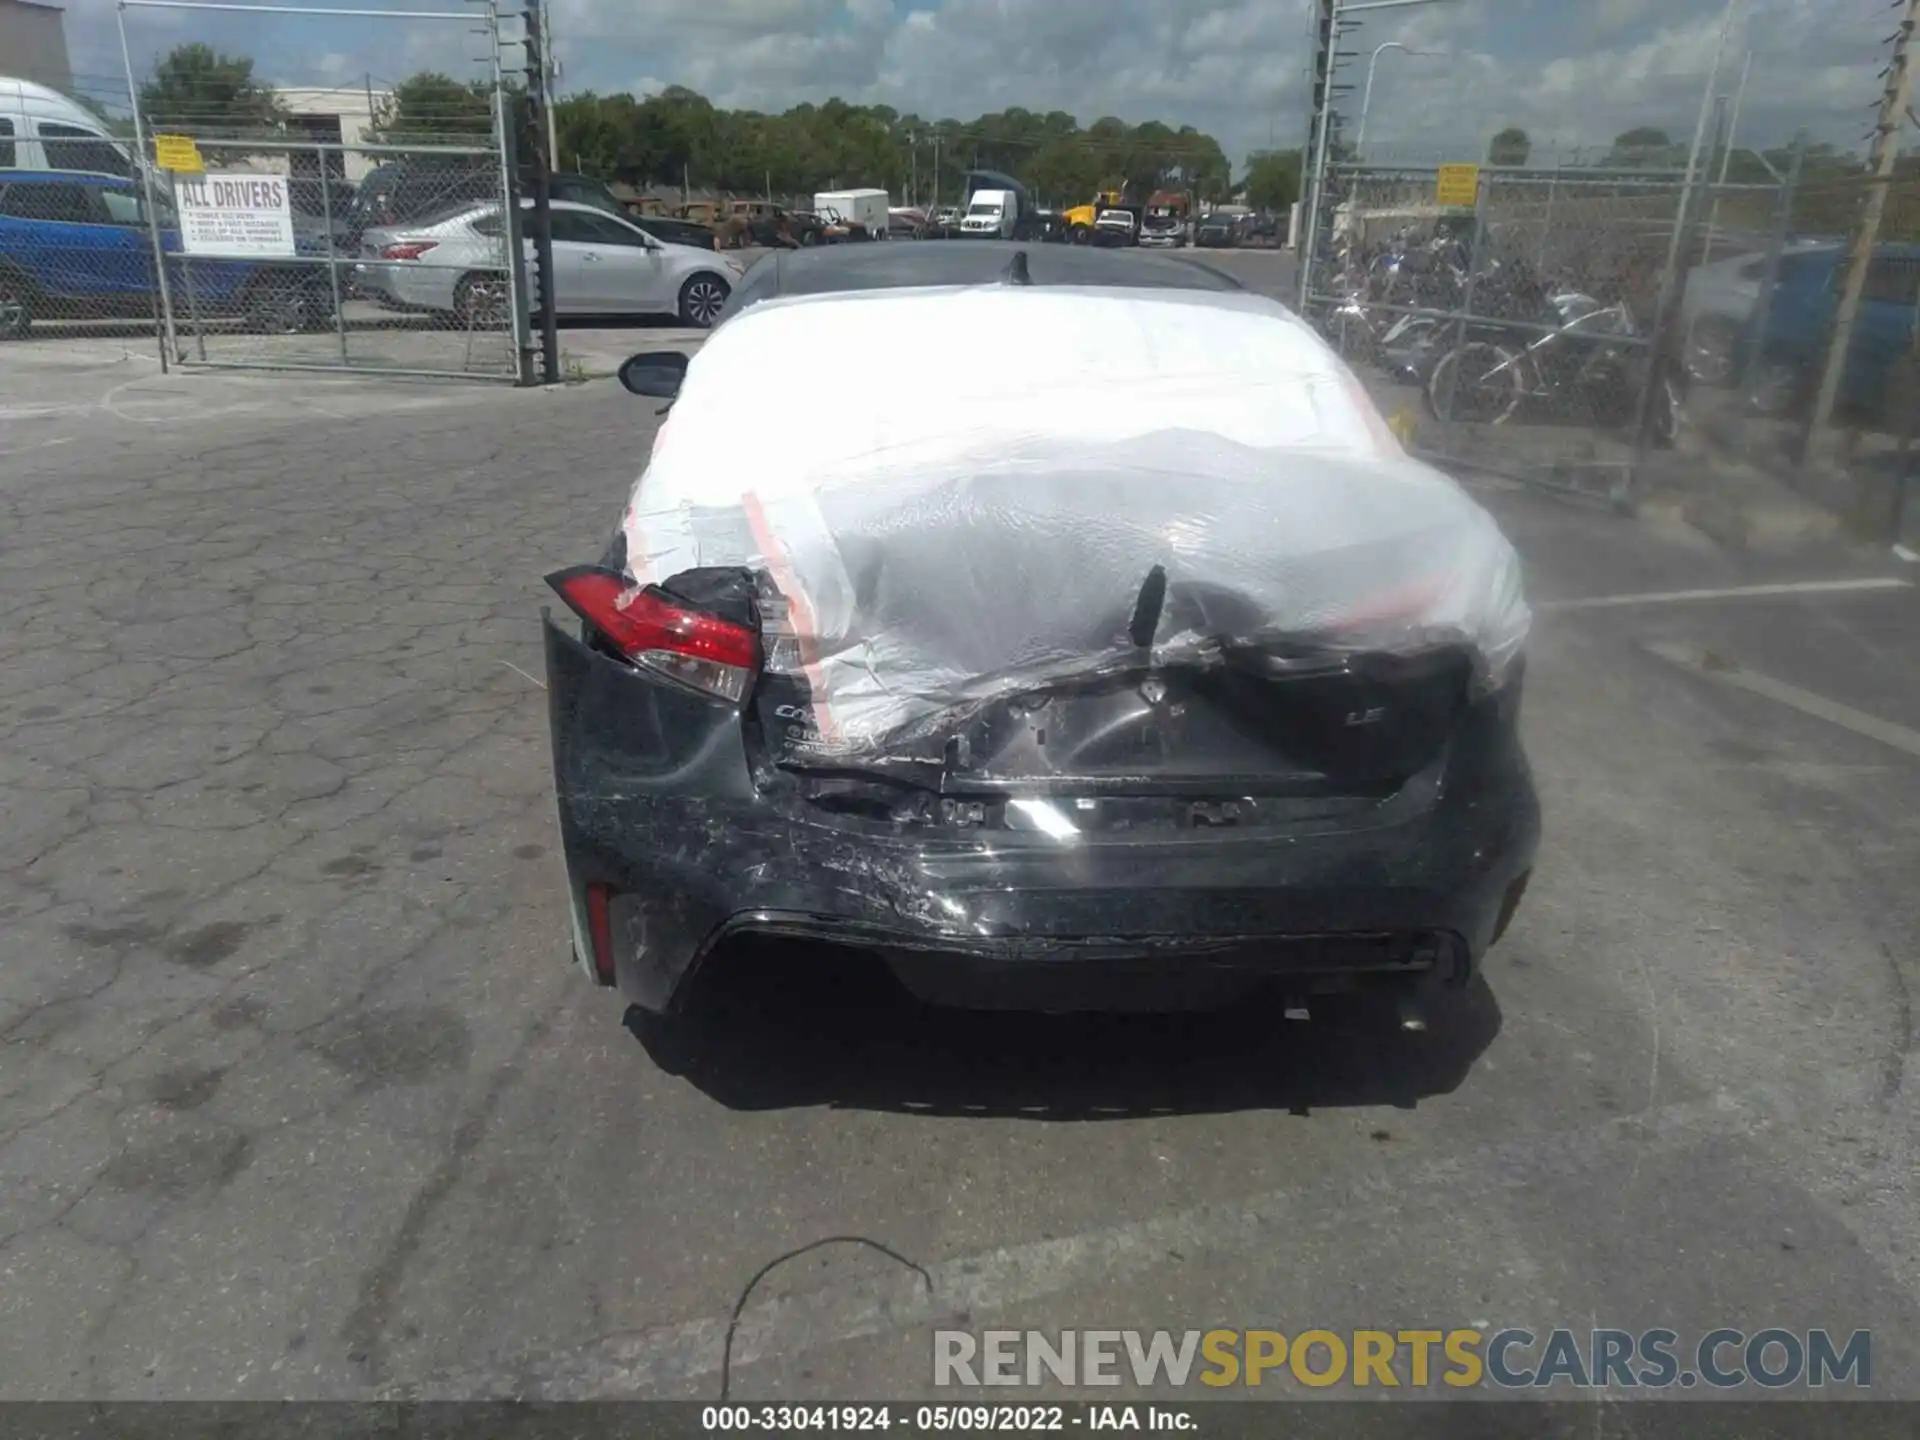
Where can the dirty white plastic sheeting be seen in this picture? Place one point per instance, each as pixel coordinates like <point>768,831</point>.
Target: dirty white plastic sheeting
<point>961,484</point>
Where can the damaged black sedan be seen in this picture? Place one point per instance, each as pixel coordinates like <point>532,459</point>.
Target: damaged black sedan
<point>1113,654</point>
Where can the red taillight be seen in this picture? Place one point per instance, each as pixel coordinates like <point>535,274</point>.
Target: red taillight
<point>411,250</point>
<point>709,654</point>
<point>600,930</point>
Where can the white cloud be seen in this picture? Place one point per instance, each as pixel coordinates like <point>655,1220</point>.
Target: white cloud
<point>1576,73</point>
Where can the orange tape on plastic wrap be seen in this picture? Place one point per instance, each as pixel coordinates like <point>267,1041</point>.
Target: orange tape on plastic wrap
<point>799,608</point>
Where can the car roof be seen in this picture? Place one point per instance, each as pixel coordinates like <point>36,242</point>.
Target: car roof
<point>920,263</point>
<point>69,177</point>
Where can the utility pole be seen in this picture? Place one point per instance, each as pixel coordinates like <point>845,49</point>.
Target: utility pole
<point>540,151</point>
<point>1326,40</point>
<point>549,72</point>
<point>1886,149</point>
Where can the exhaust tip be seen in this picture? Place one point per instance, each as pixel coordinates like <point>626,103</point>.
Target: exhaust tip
<point>1411,1013</point>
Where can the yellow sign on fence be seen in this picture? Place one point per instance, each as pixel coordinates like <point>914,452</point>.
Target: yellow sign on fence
<point>178,153</point>
<point>1458,185</point>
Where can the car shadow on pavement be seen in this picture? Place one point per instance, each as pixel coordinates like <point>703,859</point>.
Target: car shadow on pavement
<point>796,1026</point>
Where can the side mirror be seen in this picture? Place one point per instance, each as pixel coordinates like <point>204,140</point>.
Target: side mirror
<point>655,372</point>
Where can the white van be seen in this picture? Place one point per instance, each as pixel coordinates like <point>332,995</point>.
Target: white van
<point>41,129</point>
<point>990,216</point>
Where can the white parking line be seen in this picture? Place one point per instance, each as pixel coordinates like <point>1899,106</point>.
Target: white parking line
<point>1739,592</point>
<point>1713,667</point>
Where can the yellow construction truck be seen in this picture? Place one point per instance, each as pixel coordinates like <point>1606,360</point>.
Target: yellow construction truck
<point>1076,224</point>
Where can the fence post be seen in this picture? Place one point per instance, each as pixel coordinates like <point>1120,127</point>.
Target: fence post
<point>164,336</point>
<point>1660,339</point>
<point>541,116</point>
<point>1546,225</point>
<point>1885,156</point>
<point>333,268</point>
<point>1443,404</point>
<point>1317,162</point>
<point>1753,352</point>
<point>193,303</point>
<point>512,238</point>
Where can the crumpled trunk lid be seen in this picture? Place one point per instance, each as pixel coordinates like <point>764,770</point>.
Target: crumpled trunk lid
<point>1232,720</point>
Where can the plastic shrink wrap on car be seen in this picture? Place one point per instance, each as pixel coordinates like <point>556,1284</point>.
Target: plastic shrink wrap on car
<point>971,507</point>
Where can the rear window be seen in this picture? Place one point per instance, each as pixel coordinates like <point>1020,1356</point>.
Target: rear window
<point>442,213</point>
<point>1892,282</point>
<point>123,207</point>
<point>69,147</point>
<point>6,144</point>
<point>39,200</point>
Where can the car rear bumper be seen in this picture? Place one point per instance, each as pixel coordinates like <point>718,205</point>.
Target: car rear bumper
<point>408,285</point>
<point>656,805</point>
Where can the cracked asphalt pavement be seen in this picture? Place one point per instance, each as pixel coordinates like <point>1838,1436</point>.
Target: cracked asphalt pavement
<point>301,1096</point>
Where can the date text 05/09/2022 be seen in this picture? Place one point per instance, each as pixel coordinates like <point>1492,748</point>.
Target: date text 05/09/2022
<point>961,1419</point>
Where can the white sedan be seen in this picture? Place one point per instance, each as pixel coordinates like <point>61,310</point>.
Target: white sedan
<point>453,262</point>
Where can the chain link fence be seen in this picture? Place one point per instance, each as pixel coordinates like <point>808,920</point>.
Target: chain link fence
<point>291,239</point>
<point>405,271</point>
<point>1522,320</point>
<point>1784,367</point>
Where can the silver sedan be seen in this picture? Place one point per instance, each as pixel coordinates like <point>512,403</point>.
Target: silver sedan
<point>454,263</point>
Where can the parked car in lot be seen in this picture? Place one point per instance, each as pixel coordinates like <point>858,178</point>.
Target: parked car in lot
<point>577,189</point>
<point>985,721</point>
<point>674,232</point>
<point>1717,310</point>
<point>41,129</point>
<point>776,227</point>
<point>318,197</point>
<point>1800,324</point>
<point>77,246</point>
<point>737,222</point>
<point>1218,230</point>
<point>831,227</point>
<point>603,264</point>
<point>1116,227</point>
<point>1168,219</point>
<point>402,192</point>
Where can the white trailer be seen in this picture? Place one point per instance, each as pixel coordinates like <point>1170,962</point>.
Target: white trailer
<point>863,207</point>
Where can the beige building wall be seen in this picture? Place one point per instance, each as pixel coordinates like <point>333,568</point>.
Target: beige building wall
<point>33,44</point>
<point>349,107</point>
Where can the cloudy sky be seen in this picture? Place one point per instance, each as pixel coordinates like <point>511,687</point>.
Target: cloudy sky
<point>1572,72</point>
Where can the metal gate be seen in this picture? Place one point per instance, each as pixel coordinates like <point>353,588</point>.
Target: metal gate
<point>1528,321</point>
<point>1532,328</point>
<point>376,244</point>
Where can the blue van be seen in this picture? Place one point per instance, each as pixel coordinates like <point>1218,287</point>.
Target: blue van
<point>1794,348</point>
<point>76,247</point>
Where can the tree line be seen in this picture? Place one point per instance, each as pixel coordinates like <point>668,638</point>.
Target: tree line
<point>680,138</point>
